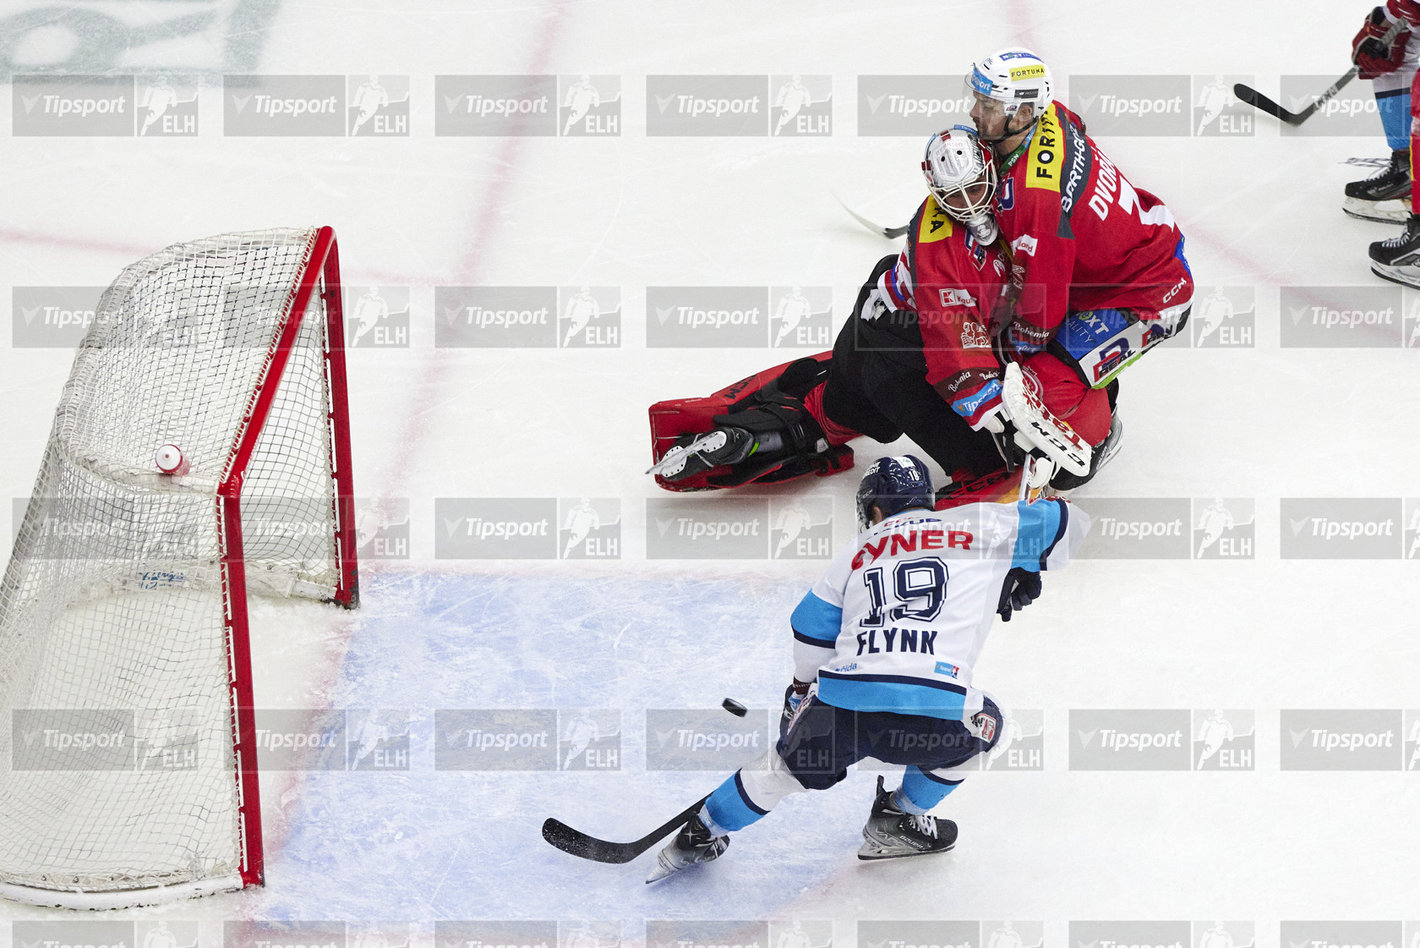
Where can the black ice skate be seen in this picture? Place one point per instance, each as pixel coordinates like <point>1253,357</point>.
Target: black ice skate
<point>693,844</point>
<point>891,833</point>
<point>1063,480</point>
<point>1398,259</point>
<point>1385,195</point>
<point>695,454</point>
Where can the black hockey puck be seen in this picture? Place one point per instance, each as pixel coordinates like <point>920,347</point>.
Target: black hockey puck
<point>734,707</point>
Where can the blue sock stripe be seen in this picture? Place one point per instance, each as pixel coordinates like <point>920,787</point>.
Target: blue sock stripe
<point>730,807</point>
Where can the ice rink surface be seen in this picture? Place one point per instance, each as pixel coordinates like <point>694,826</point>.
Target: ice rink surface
<point>1262,415</point>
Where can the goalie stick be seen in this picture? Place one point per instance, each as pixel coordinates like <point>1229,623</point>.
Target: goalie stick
<point>1259,101</point>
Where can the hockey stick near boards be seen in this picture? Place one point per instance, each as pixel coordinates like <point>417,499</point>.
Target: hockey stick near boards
<point>1259,101</point>
<point>577,843</point>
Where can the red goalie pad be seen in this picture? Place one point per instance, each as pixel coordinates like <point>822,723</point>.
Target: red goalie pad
<point>675,417</point>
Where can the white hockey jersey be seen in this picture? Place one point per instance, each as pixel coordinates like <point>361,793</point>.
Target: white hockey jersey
<point>899,619</point>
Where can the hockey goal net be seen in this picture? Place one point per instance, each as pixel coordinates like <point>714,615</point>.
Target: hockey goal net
<point>127,752</point>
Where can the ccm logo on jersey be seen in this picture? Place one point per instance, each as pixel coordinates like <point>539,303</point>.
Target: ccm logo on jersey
<point>911,542</point>
<point>954,297</point>
<point>1025,244</point>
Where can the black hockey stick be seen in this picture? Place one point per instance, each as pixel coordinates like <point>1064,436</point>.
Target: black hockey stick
<point>578,843</point>
<point>878,229</point>
<point>1257,100</point>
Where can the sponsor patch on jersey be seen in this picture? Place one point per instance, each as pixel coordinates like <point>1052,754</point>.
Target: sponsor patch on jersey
<point>948,669</point>
<point>973,336</point>
<point>978,252</point>
<point>1006,199</point>
<point>1024,244</point>
<point>1077,174</point>
<point>951,296</point>
<point>936,225</point>
<point>1044,156</point>
<point>985,723</point>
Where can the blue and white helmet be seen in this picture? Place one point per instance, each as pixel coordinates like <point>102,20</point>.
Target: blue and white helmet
<point>1014,77</point>
<point>893,484</point>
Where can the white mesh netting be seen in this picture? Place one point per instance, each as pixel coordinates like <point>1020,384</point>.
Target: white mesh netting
<point>116,753</point>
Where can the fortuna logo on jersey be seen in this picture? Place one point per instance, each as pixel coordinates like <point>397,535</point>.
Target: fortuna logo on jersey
<point>1043,166</point>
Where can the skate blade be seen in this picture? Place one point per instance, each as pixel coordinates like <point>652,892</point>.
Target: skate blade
<point>674,460</point>
<point>1396,210</point>
<point>1405,276</point>
<point>870,852</point>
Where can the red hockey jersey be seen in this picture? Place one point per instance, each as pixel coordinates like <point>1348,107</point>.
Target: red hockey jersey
<point>1082,237</point>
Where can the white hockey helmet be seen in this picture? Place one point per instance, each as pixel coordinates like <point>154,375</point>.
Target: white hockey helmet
<point>960,173</point>
<point>1014,77</point>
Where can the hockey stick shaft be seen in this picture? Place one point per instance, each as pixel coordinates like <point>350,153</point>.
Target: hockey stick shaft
<point>576,843</point>
<point>879,229</point>
<point>1259,101</point>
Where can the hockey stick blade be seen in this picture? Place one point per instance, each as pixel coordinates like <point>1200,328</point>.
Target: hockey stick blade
<point>880,230</point>
<point>576,843</point>
<point>1257,100</point>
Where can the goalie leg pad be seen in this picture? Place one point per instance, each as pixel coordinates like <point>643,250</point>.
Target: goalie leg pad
<point>769,405</point>
<point>1087,410</point>
<point>1100,343</point>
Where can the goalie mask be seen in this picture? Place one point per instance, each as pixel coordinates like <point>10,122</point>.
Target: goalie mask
<point>893,484</point>
<point>961,175</point>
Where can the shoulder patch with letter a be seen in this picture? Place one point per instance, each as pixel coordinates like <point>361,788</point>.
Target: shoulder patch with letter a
<point>936,225</point>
